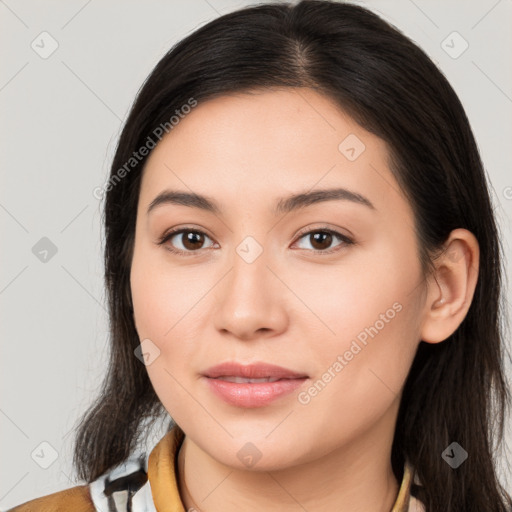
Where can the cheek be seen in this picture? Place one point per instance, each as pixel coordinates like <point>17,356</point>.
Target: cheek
<point>370,323</point>
<point>366,296</point>
<point>163,295</point>
<point>360,375</point>
<point>170,316</point>
<point>157,312</point>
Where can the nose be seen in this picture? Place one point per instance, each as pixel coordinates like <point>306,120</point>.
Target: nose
<point>251,299</point>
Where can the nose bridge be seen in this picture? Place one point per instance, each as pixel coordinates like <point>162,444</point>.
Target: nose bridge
<point>250,273</point>
<point>249,299</point>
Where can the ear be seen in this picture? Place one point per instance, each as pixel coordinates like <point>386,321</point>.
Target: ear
<point>451,288</point>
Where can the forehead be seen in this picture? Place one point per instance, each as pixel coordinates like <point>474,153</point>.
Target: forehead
<point>259,146</point>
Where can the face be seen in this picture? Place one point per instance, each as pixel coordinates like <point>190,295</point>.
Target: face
<point>329,288</point>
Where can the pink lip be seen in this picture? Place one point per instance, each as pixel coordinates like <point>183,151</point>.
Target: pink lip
<point>251,371</point>
<point>248,394</point>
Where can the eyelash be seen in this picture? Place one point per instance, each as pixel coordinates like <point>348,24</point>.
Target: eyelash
<point>345,239</point>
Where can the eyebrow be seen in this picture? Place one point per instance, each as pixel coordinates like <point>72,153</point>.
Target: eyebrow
<point>283,205</point>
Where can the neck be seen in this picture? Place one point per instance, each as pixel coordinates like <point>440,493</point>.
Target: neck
<point>357,477</point>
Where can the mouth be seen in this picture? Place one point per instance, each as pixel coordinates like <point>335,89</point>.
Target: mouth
<point>254,385</point>
<point>241,380</point>
<point>255,372</point>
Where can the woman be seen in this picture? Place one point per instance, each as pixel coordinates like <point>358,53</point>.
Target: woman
<point>304,272</point>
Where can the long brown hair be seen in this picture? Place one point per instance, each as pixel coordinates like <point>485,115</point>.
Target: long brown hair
<point>456,390</point>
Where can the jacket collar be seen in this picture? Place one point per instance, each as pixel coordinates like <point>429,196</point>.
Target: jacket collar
<point>162,475</point>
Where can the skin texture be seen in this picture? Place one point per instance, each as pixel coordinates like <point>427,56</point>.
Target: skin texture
<point>291,306</point>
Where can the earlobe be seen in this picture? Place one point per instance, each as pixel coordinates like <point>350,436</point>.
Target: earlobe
<point>451,287</point>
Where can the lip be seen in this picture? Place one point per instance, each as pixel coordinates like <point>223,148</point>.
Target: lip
<point>251,395</point>
<point>252,371</point>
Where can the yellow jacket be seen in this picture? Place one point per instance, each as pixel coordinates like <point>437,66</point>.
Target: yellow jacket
<point>153,489</point>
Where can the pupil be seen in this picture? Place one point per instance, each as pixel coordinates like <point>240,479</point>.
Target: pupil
<point>194,239</point>
<point>317,238</point>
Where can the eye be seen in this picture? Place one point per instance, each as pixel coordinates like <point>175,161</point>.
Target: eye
<point>321,239</point>
<point>190,240</point>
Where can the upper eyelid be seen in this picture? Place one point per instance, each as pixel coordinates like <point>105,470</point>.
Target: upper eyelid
<point>177,231</point>
<point>303,232</point>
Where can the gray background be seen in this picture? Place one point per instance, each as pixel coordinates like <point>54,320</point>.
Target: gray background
<point>60,119</point>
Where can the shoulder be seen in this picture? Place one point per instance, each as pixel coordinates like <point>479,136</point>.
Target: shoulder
<point>122,488</point>
<point>118,489</point>
<point>76,498</point>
